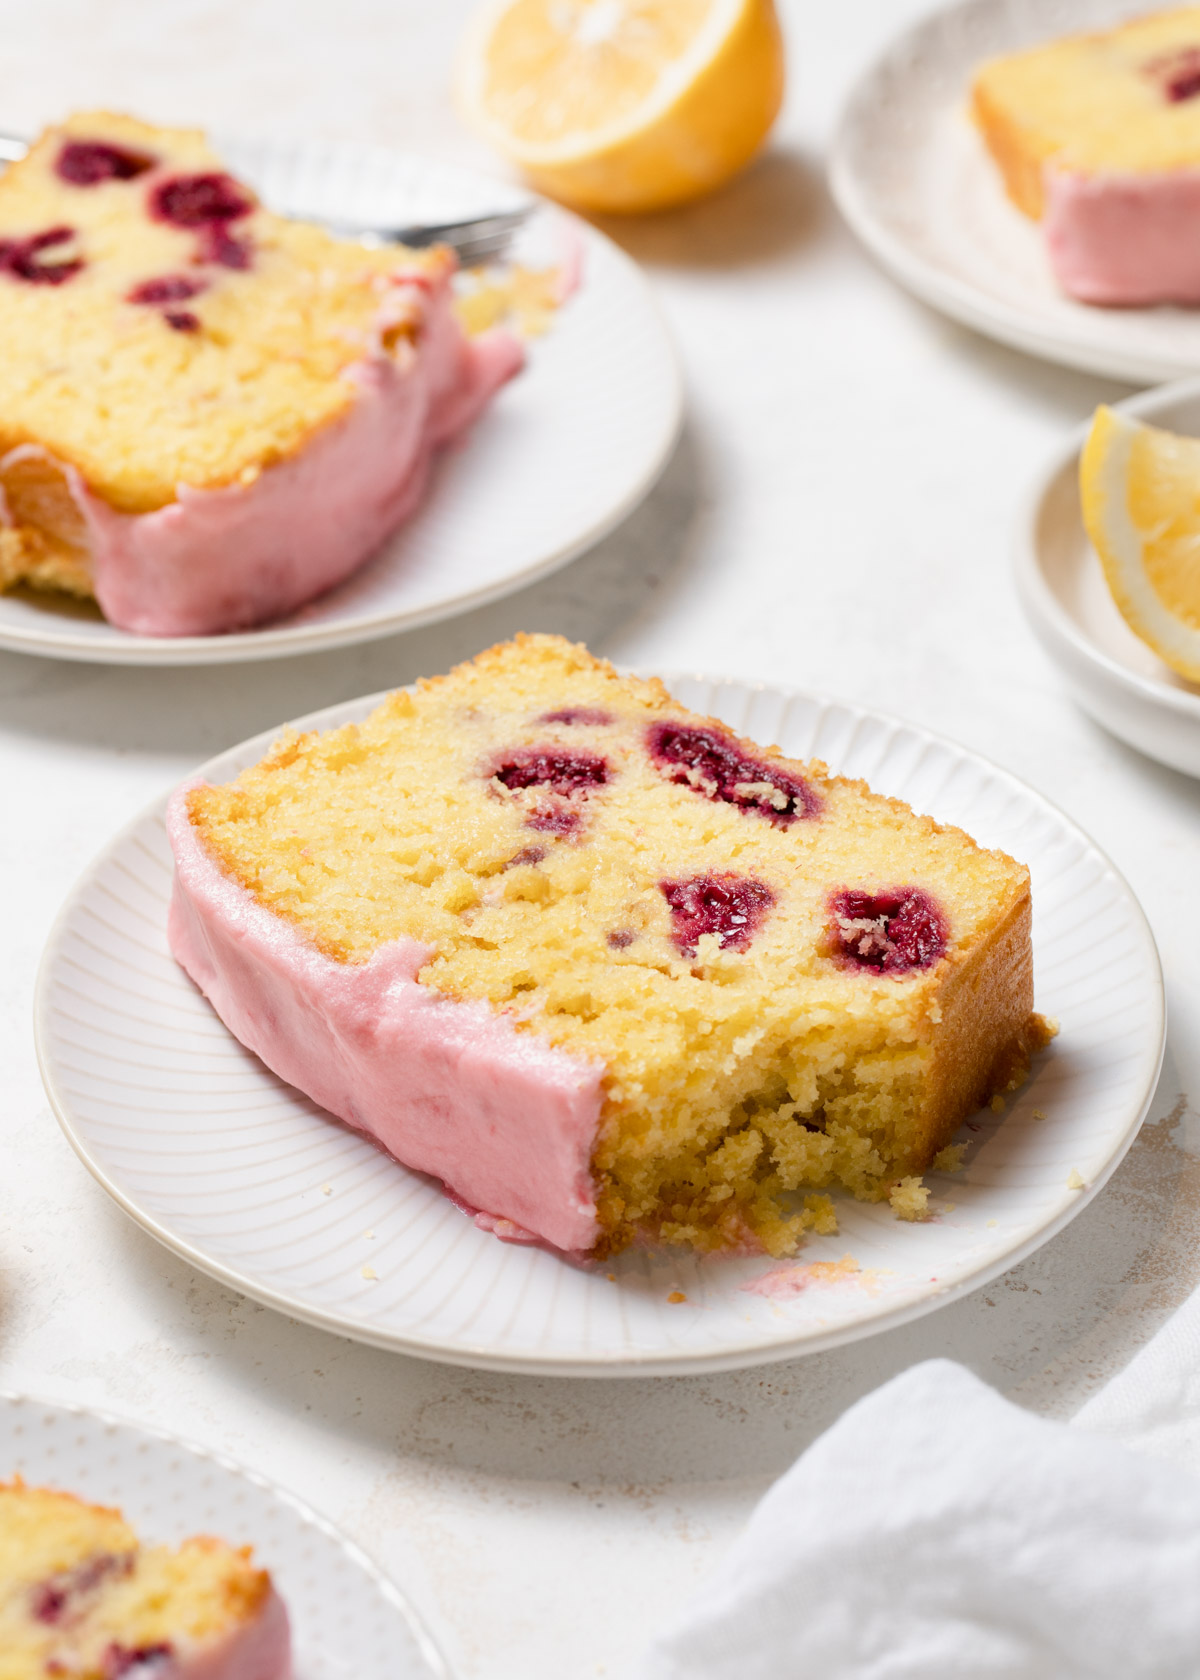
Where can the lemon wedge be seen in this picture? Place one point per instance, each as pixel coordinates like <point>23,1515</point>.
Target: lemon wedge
<point>1140,489</point>
<point>625,105</point>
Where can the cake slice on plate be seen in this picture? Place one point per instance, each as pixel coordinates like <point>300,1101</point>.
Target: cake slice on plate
<point>81,1599</point>
<point>608,971</point>
<point>1098,137</point>
<point>209,414</point>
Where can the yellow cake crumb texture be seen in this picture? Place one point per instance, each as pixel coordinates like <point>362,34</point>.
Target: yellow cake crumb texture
<point>741,1080</point>
<point>522,299</point>
<point>909,1199</point>
<point>74,1584</point>
<point>109,386</point>
<point>1123,99</point>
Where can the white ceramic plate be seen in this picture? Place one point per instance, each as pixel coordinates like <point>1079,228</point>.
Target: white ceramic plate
<point>912,177</point>
<point>348,1621</point>
<point>565,452</point>
<point>229,1166</point>
<point>1111,672</point>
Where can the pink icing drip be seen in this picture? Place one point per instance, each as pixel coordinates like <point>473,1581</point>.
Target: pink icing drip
<point>1125,239</point>
<point>506,1120</point>
<point>571,263</point>
<point>261,1650</point>
<point>217,560</point>
<point>494,1223</point>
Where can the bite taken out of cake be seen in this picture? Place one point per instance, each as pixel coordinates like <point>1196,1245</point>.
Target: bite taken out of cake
<point>81,1599</point>
<point>209,414</point>
<point>608,971</point>
<point>1097,137</point>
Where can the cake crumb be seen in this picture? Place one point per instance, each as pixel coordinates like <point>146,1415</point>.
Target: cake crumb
<point>371,1275</point>
<point>991,1223</point>
<point>676,1296</point>
<point>950,1159</point>
<point>523,298</point>
<point>909,1199</point>
<point>327,1189</point>
<point>1039,1114</point>
<point>998,1104</point>
<point>822,1214</point>
<point>611,1276</point>
<point>370,1236</point>
<point>1074,1182</point>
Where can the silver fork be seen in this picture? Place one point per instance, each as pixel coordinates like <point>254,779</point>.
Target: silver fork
<point>476,240</point>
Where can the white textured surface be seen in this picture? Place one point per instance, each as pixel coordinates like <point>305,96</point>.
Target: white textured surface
<point>348,1622</point>
<point>838,516</point>
<point>916,181</point>
<point>562,453</point>
<point>242,1174</point>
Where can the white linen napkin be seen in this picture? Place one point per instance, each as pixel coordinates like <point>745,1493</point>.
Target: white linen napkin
<point>938,1531</point>
<point>1154,1405</point>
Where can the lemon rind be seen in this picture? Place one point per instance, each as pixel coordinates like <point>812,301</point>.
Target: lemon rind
<point>1104,494</point>
<point>671,88</point>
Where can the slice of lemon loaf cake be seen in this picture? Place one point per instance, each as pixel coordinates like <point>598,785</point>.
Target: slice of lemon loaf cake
<point>1098,137</point>
<point>208,414</point>
<point>79,1597</point>
<point>604,968</point>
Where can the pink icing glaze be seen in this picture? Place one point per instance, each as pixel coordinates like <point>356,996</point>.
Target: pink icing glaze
<point>217,560</point>
<point>506,1120</point>
<point>262,1650</point>
<point>1125,239</point>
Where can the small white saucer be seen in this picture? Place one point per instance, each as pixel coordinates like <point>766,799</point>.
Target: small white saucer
<point>1112,673</point>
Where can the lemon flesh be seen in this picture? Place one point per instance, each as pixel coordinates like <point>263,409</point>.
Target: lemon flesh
<point>1140,490</point>
<point>625,105</point>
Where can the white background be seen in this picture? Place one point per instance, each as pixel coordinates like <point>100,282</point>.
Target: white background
<point>838,517</point>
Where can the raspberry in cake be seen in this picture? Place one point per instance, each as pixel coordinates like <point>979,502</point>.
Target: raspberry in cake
<point>1098,137</point>
<point>209,414</point>
<point>80,1597</point>
<point>607,970</point>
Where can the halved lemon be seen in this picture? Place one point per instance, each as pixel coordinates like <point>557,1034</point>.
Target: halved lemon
<point>1140,489</point>
<point>625,105</point>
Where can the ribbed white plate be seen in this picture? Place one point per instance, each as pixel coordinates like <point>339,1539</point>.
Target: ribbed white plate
<point>563,454</point>
<point>348,1621</point>
<point>912,177</point>
<point>229,1166</point>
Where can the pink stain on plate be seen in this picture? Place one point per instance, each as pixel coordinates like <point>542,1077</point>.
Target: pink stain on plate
<point>784,1283</point>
